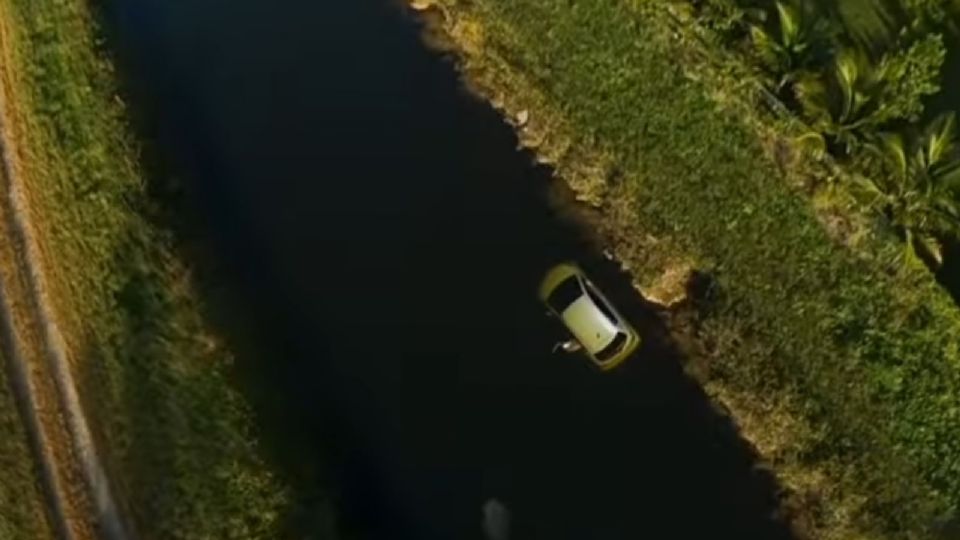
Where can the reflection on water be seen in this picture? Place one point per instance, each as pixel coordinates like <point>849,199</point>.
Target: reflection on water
<point>496,520</point>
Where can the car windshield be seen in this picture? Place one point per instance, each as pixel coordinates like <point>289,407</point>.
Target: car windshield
<point>613,348</point>
<point>601,304</point>
<point>565,294</point>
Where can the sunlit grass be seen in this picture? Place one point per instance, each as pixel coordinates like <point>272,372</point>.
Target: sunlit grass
<point>22,514</point>
<point>859,351</point>
<point>175,434</point>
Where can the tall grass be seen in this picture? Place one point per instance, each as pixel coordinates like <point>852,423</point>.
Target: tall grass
<point>176,436</point>
<point>22,514</point>
<point>863,353</point>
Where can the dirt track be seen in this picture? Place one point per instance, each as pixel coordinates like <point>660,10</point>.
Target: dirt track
<point>79,497</point>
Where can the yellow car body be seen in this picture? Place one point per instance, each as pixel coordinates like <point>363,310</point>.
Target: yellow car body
<point>606,337</point>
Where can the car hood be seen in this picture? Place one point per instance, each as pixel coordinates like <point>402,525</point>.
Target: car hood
<point>588,324</point>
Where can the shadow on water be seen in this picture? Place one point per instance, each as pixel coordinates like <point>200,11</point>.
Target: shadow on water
<point>377,242</point>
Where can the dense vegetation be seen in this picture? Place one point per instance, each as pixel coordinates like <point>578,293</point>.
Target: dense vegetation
<point>175,435</point>
<point>21,505</point>
<point>859,78</point>
<point>846,349</point>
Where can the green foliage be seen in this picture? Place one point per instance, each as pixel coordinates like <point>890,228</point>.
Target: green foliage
<point>847,92</point>
<point>800,43</point>
<point>920,192</point>
<point>865,352</point>
<point>857,97</point>
<point>722,16</point>
<point>872,25</point>
<point>908,76</point>
<point>845,102</point>
<point>174,430</point>
<point>22,514</point>
<point>930,14</point>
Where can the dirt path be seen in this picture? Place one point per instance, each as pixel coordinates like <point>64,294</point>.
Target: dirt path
<point>73,477</point>
<point>25,393</point>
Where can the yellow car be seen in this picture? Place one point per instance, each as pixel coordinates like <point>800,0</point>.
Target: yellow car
<point>606,337</point>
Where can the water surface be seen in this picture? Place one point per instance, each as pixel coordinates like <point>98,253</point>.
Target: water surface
<point>380,240</point>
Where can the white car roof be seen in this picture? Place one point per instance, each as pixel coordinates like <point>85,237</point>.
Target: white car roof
<point>589,325</point>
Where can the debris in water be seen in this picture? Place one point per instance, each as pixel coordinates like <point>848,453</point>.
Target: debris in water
<point>496,520</point>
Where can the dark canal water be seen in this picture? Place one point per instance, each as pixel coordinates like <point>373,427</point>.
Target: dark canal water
<point>378,239</point>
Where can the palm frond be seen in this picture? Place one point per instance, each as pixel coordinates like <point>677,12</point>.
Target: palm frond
<point>947,208</point>
<point>789,24</point>
<point>797,41</point>
<point>895,151</point>
<point>940,139</point>
<point>855,78</point>
<point>910,256</point>
<point>931,247</point>
<point>812,93</point>
<point>922,197</point>
<point>948,176</point>
<point>870,23</point>
<point>873,190</point>
<point>846,70</point>
<point>813,143</point>
<point>768,50</point>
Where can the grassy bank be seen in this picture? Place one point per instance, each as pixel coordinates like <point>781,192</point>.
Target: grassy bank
<point>177,439</point>
<point>839,361</point>
<point>22,514</point>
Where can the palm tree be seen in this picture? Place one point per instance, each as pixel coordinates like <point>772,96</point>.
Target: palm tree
<point>801,43</point>
<point>921,193</point>
<point>845,102</point>
<point>858,97</point>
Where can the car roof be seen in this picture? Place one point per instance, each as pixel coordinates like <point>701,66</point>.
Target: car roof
<point>589,325</point>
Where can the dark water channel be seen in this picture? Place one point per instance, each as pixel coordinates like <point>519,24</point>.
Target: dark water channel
<point>378,239</point>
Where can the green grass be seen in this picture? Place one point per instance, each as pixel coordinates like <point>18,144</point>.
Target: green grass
<point>21,503</point>
<point>860,349</point>
<point>176,435</point>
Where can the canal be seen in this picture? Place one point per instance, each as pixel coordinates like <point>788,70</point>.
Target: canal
<point>376,239</point>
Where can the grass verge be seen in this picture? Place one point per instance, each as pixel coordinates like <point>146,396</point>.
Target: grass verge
<point>175,435</point>
<point>22,514</point>
<point>839,362</point>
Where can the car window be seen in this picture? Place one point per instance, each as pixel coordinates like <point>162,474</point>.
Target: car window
<point>601,305</point>
<point>565,294</point>
<point>613,348</point>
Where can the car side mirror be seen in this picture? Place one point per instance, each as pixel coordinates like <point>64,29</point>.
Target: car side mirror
<point>569,346</point>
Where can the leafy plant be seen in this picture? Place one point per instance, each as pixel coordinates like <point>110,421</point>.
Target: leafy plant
<point>799,44</point>
<point>871,25</point>
<point>722,16</point>
<point>858,97</point>
<point>931,14</point>
<point>920,193</point>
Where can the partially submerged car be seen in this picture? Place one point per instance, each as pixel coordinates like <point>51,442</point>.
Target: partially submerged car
<point>606,337</point>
